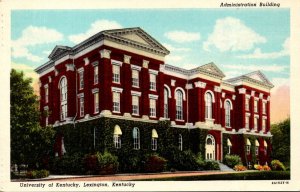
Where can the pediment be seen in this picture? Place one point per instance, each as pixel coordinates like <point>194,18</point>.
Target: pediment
<point>212,68</point>
<point>138,36</point>
<point>58,50</point>
<point>259,76</point>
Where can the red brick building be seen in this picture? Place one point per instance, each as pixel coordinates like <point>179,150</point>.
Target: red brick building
<point>121,74</point>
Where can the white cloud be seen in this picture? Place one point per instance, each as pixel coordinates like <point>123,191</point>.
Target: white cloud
<point>182,36</point>
<point>172,48</point>
<point>266,68</point>
<point>279,82</point>
<point>173,58</point>
<point>189,66</point>
<point>231,34</point>
<point>258,54</point>
<point>32,36</point>
<point>95,27</point>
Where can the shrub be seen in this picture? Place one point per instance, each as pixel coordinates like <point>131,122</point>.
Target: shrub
<point>37,174</point>
<point>108,163</point>
<point>182,160</point>
<point>239,168</point>
<point>155,163</point>
<point>277,165</point>
<point>232,160</point>
<point>258,167</point>
<point>91,164</point>
<point>211,165</point>
<point>266,168</point>
<point>68,164</point>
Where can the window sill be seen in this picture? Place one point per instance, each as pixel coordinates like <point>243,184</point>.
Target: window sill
<point>118,112</point>
<point>154,117</point>
<point>180,120</point>
<point>96,112</point>
<point>135,86</point>
<point>136,115</point>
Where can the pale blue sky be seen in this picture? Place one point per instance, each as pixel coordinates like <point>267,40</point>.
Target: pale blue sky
<point>237,40</point>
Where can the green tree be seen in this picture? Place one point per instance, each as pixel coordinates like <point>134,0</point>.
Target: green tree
<point>29,141</point>
<point>281,141</point>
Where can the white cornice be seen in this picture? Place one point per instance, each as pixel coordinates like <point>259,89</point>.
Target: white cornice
<point>136,93</point>
<point>116,89</point>
<point>135,67</point>
<point>151,96</point>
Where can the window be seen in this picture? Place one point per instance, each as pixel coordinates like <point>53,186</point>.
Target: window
<point>117,136</point>
<point>247,122</point>
<point>229,145</point>
<point>256,147</point>
<point>208,106</point>
<point>96,76</point>
<point>81,80</point>
<point>255,106</point>
<point>152,82</point>
<point>247,104</point>
<point>46,94</point>
<point>81,106</point>
<point>248,147</point>
<point>166,93</point>
<point>135,78</point>
<point>265,147</point>
<point>179,96</point>
<point>135,105</point>
<point>264,108</point>
<point>152,108</point>
<point>63,98</point>
<point>116,74</point>
<point>255,123</point>
<point>136,138</point>
<point>227,113</point>
<point>180,142</point>
<point>116,102</point>
<point>96,102</point>
<point>264,125</point>
<point>154,140</point>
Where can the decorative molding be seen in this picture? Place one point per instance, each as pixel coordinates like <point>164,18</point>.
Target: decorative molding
<point>70,67</point>
<point>248,114</point>
<point>80,95</point>
<point>46,86</point>
<point>200,84</point>
<point>173,82</point>
<point>95,90</point>
<point>87,116</point>
<point>264,117</point>
<point>145,117</point>
<point>256,98</point>
<point>269,97</point>
<point>136,93</point>
<point>116,89</point>
<point>46,108</point>
<point>161,67</point>
<point>116,62</point>
<point>95,63</point>
<point>49,79</point>
<point>264,101</point>
<point>80,69</point>
<point>105,53</point>
<point>261,95</point>
<point>233,97</point>
<point>217,89</point>
<point>86,61</point>
<point>169,90</point>
<point>151,96</point>
<point>223,94</point>
<point>127,115</point>
<point>242,91</point>
<point>56,72</point>
<point>189,86</point>
<point>256,116</point>
<point>154,72</point>
<point>135,67</point>
<point>248,96</point>
<point>183,92</point>
<point>145,63</point>
<point>127,59</point>
<point>252,93</point>
<point>105,113</point>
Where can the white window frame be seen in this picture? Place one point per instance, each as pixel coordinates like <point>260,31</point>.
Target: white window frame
<point>135,78</point>
<point>227,113</point>
<point>116,102</point>
<point>135,105</point>
<point>166,103</point>
<point>264,123</point>
<point>248,149</point>
<point>247,104</point>
<point>96,102</point>
<point>255,123</point>
<point>96,74</point>
<point>117,141</point>
<point>136,138</point>
<point>81,79</point>
<point>63,85</point>
<point>247,120</point>
<point>154,144</point>
<point>81,106</point>
<point>179,105</point>
<point>46,94</point>
<point>116,73</point>
<point>255,106</point>
<point>264,111</point>
<point>152,106</point>
<point>152,82</point>
<point>256,150</point>
<point>208,105</point>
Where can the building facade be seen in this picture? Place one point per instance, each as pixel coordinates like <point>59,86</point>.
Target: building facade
<point>121,75</point>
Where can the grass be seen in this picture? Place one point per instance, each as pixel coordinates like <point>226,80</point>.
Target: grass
<point>256,175</point>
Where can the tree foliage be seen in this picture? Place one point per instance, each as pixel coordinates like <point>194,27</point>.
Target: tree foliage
<point>281,141</point>
<point>29,141</point>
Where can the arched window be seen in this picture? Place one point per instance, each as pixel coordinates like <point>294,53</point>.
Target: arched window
<point>227,113</point>
<point>256,147</point>
<point>166,104</point>
<point>180,142</point>
<point>179,101</point>
<point>208,105</point>
<point>63,98</point>
<point>154,140</point>
<point>210,148</point>
<point>136,138</point>
<point>117,136</point>
<point>248,146</point>
<point>229,145</point>
<point>265,147</point>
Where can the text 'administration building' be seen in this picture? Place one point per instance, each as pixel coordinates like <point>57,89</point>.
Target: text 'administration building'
<point>114,91</point>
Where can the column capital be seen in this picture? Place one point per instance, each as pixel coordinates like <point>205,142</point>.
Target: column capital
<point>105,53</point>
